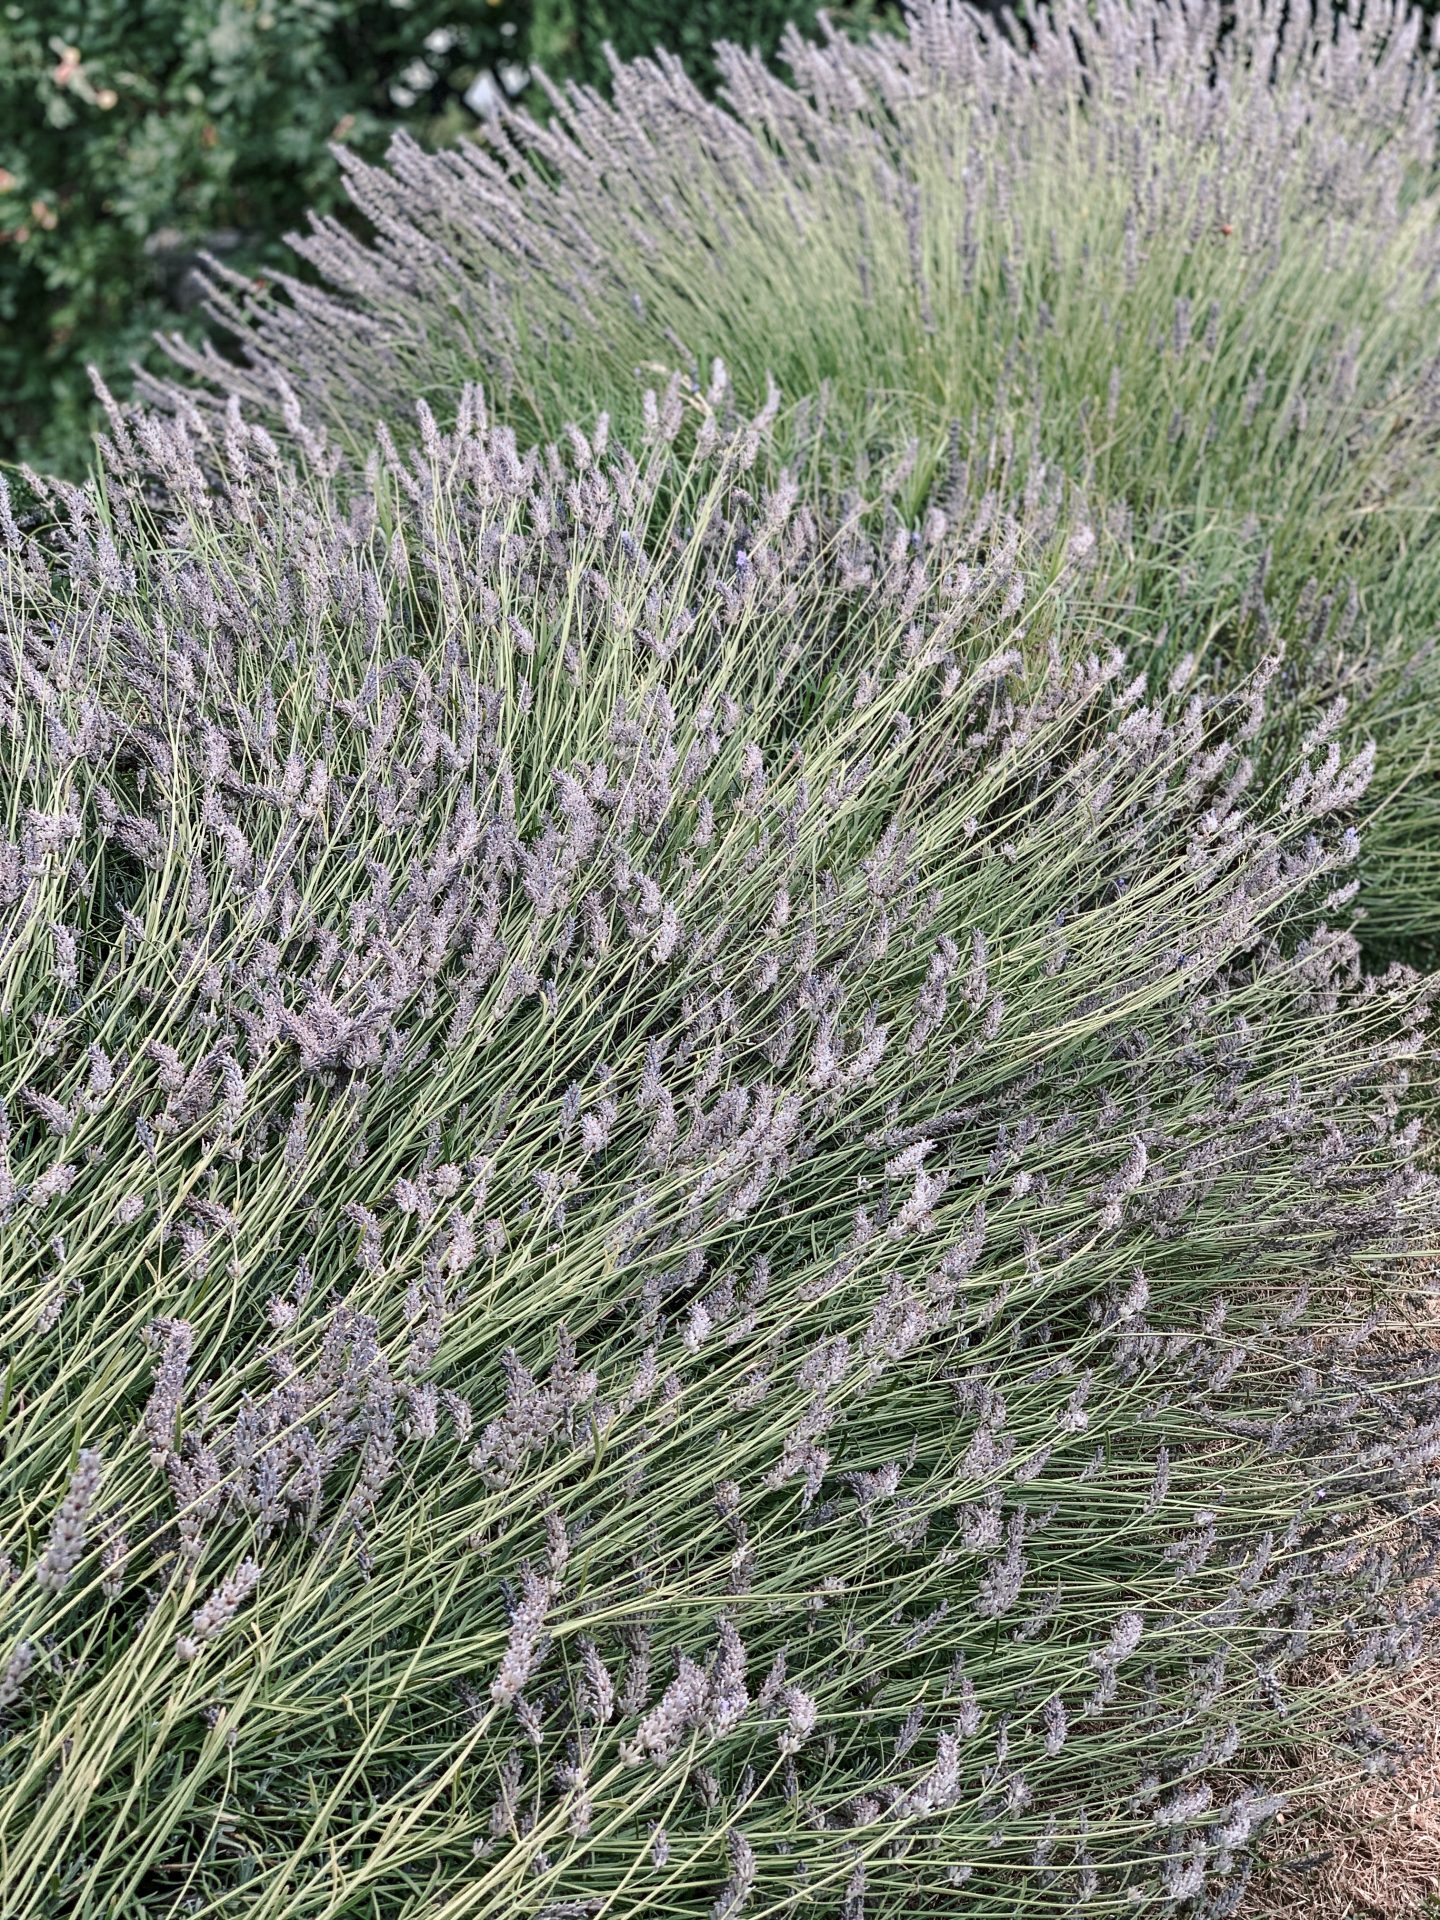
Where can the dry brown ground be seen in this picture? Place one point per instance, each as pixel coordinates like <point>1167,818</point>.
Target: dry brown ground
<point>1355,1850</point>
<point>1371,1849</point>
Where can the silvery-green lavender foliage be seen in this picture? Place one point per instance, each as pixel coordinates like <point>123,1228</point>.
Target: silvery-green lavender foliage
<point>641,1277</point>
<point>1193,266</point>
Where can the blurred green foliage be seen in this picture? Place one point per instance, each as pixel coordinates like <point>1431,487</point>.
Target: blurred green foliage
<point>635,27</point>
<point>132,131</point>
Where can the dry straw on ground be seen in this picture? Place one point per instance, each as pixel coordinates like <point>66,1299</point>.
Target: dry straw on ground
<point>1372,1850</point>
<point>1343,1853</point>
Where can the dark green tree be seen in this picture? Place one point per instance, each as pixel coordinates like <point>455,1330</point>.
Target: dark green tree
<point>133,132</point>
<point>637,27</point>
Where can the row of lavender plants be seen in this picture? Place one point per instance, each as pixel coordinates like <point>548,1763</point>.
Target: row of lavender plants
<point>1188,252</point>
<point>710,1195</point>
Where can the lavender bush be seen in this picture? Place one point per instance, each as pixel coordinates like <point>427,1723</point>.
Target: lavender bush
<point>1191,263</point>
<point>644,1274</point>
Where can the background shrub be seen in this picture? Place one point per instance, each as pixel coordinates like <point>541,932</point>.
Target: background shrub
<point>131,135</point>
<point>634,28</point>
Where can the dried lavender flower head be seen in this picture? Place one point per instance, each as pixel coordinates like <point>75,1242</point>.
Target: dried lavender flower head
<point>68,1529</point>
<point>219,1610</point>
